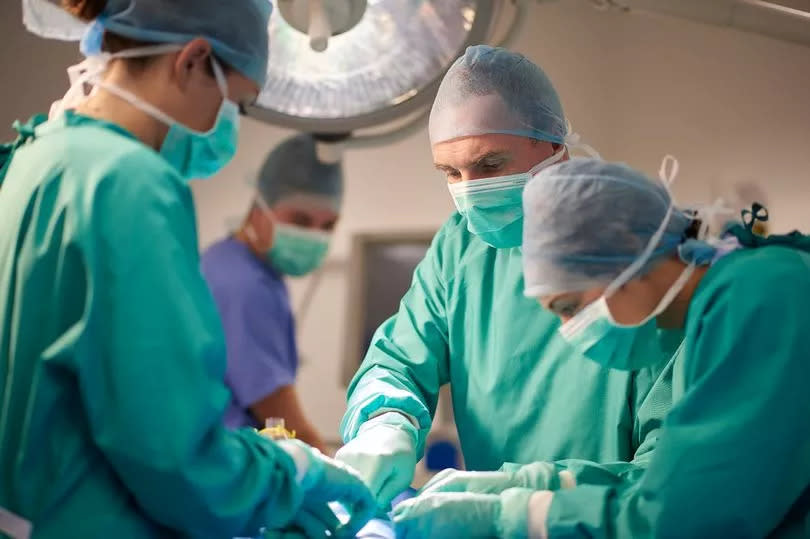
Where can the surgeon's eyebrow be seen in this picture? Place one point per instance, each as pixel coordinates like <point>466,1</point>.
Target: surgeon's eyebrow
<point>444,168</point>
<point>488,158</point>
<point>495,157</point>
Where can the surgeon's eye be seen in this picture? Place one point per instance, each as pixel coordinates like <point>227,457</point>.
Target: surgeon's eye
<point>565,307</point>
<point>491,167</point>
<point>301,219</point>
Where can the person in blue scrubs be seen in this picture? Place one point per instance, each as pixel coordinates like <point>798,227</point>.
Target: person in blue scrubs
<point>286,233</point>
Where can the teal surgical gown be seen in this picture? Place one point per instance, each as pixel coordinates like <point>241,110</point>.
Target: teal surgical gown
<point>733,455</point>
<point>520,393</point>
<point>112,357</point>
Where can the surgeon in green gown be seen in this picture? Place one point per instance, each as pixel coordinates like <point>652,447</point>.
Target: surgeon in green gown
<point>112,356</point>
<point>733,454</point>
<point>520,392</point>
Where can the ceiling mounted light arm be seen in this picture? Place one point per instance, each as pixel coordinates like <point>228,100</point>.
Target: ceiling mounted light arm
<point>319,20</point>
<point>320,29</point>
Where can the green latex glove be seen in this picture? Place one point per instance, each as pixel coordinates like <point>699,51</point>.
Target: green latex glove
<point>313,521</point>
<point>326,480</point>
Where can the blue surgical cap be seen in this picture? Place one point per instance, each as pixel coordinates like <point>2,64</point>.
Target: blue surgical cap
<point>236,29</point>
<point>293,168</point>
<point>492,90</point>
<point>587,220</point>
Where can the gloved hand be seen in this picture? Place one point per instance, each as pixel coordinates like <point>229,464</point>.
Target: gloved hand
<point>292,533</point>
<point>384,453</point>
<point>462,514</point>
<point>510,467</point>
<point>308,523</point>
<point>325,480</point>
<point>536,476</point>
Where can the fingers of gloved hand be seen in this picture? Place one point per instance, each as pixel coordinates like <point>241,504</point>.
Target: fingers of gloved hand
<point>510,467</point>
<point>342,484</point>
<point>361,507</point>
<point>447,514</point>
<point>439,478</point>
<point>395,484</point>
<point>538,476</point>
<point>372,468</point>
<point>316,519</point>
<point>357,520</point>
<point>289,533</point>
<point>481,482</point>
<point>451,481</point>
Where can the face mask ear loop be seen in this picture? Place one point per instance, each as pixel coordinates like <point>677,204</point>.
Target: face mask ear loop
<point>80,75</point>
<point>667,175</point>
<point>269,214</point>
<point>552,160</point>
<point>90,70</point>
<point>135,101</point>
<point>573,141</point>
<point>248,228</point>
<point>219,75</point>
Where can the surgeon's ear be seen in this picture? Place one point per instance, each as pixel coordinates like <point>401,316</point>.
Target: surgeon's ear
<point>193,59</point>
<point>262,225</point>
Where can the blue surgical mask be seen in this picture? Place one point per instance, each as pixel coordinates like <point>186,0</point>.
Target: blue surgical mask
<point>493,207</point>
<point>193,154</point>
<point>297,251</point>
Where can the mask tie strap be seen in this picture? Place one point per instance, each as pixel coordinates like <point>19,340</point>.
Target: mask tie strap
<point>573,141</point>
<point>667,173</point>
<point>135,101</point>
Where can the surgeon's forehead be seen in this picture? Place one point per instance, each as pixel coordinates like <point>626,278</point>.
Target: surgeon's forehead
<point>464,152</point>
<point>474,114</point>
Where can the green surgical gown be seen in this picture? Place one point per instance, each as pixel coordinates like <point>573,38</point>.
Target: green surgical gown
<point>112,357</point>
<point>733,455</point>
<point>520,393</point>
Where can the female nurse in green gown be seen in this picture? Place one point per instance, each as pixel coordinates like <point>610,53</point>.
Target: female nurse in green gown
<point>112,356</point>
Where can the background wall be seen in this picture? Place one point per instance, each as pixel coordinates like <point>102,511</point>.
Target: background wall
<point>731,106</point>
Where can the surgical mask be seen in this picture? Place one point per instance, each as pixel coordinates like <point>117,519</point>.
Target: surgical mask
<point>595,332</point>
<point>629,347</point>
<point>493,207</point>
<point>194,154</point>
<point>297,251</point>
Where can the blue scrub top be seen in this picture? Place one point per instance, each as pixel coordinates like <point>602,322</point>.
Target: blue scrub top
<point>254,305</point>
